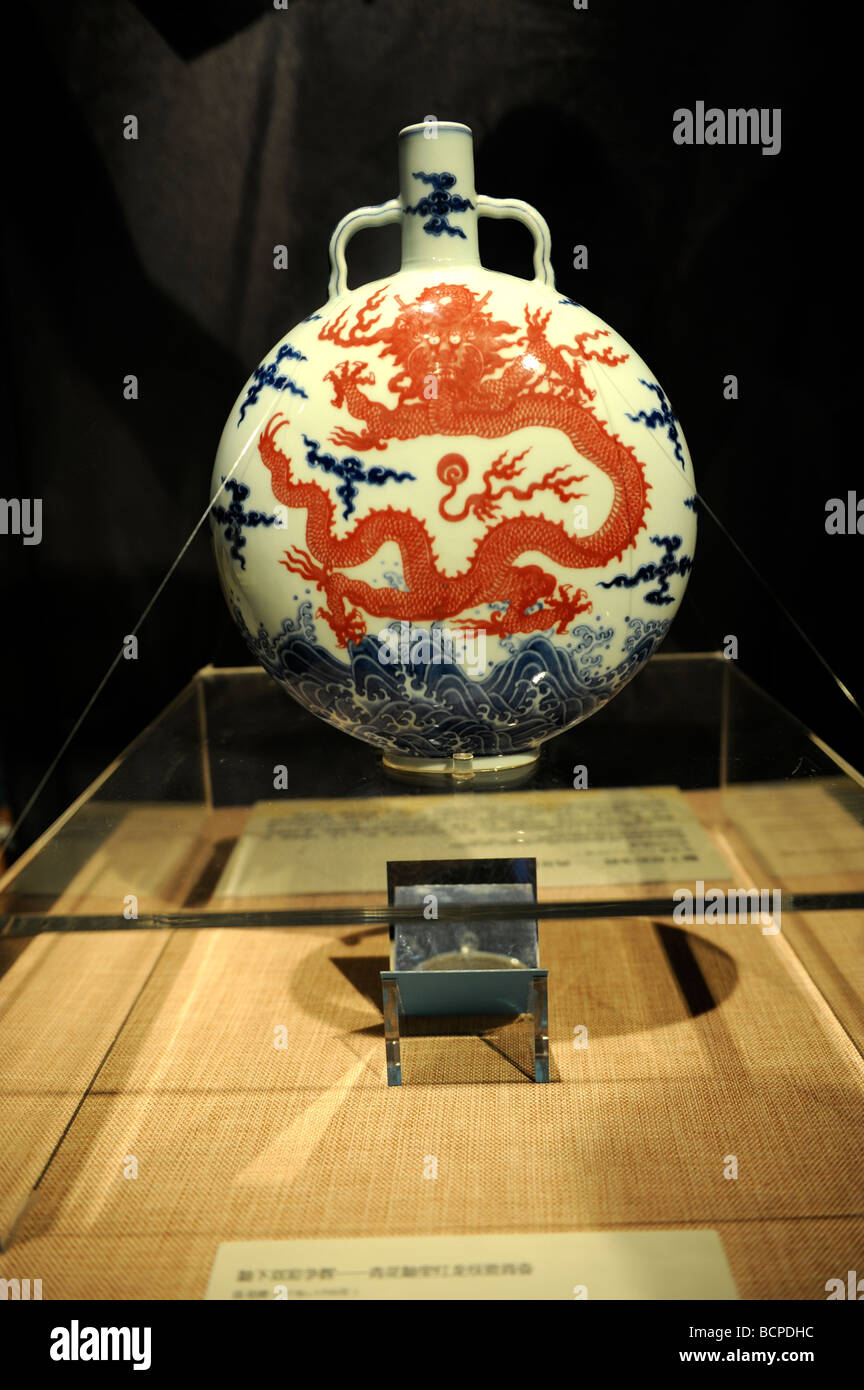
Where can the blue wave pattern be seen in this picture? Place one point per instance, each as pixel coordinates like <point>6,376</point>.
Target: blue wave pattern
<point>437,710</point>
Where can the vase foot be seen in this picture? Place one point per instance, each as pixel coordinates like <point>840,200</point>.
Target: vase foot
<point>463,767</point>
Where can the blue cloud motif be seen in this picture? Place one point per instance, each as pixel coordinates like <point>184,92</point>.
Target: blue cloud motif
<point>664,418</point>
<point>438,204</point>
<point>352,471</point>
<point>234,517</point>
<point>268,374</point>
<point>657,570</point>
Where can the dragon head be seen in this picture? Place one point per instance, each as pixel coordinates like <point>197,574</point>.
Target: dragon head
<point>446,333</point>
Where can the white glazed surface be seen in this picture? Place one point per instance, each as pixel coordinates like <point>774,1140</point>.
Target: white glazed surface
<point>538,680</point>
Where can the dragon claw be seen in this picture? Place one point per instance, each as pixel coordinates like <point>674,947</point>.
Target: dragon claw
<point>348,628</point>
<point>300,562</point>
<point>349,439</point>
<point>568,605</point>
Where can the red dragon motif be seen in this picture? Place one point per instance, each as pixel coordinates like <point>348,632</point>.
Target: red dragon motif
<point>454,379</point>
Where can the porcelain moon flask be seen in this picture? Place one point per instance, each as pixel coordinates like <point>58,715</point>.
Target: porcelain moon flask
<point>453,511</point>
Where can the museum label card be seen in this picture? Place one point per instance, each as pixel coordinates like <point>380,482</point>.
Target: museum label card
<point>579,1265</point>
<point>579,838</point>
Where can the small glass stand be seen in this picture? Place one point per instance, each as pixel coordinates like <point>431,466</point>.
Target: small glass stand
<point>459,968</point>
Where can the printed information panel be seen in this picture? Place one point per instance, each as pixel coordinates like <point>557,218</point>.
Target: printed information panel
<point>578,1265</point>
<point>577,837</point>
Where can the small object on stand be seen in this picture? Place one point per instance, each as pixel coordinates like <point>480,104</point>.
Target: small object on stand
<point>456,968</point>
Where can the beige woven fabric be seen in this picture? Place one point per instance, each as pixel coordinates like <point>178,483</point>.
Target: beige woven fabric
<point>831,946</point>
<point>61,1005</point>
<point>236,1138</point>
<point>768,1259</point>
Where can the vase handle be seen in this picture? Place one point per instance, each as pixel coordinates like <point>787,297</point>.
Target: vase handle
<point>376,215</point>
<point>530,218</point>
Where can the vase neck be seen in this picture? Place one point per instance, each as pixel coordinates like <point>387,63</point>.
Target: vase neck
<point>436,190</point>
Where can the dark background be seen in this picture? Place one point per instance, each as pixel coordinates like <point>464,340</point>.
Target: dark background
<point>260,126</point>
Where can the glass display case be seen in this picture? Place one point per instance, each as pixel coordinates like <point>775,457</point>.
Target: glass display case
<point>192,1021</point>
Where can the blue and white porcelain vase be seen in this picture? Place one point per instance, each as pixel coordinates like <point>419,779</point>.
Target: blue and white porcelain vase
<point>453,511</point>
